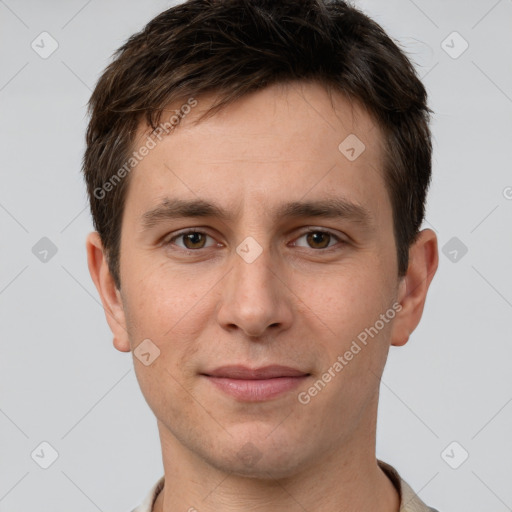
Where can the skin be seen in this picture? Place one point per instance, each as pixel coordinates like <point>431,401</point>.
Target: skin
<point>298,304</point>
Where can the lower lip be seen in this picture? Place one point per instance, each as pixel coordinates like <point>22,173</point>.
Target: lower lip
<point>256,390</point>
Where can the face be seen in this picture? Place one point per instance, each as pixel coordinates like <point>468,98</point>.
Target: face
<point>259,260</point>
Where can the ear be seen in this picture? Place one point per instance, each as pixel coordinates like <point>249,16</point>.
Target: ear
<point>109,294</point>
<point>413,287</point>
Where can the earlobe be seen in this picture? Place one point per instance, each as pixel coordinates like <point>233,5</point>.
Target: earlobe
<point>109,294</point>
<point>413,287</point>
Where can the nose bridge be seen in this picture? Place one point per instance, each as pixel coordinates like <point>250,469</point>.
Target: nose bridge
<point>253,297</point>
<point>252,267</point>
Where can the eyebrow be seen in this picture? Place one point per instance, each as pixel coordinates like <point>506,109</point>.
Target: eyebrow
<point>329,208</point>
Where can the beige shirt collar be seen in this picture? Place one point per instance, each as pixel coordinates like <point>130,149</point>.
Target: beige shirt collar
<point>409,500</point>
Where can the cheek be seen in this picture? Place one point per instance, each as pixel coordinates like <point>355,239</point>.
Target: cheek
<point>163,301</point>
<point>347,306</point>
<point>161,309</point>
<point>348,297</point>
<point>172,309</point>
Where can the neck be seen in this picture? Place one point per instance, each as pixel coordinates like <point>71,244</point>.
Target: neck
<point>345,479</point>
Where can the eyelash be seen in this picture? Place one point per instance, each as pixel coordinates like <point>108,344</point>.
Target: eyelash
<point>170,241</point>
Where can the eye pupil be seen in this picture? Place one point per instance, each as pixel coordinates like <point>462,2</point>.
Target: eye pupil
<point>316,238</point>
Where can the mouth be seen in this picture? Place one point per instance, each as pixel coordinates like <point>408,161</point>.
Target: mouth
<point>255,384</point>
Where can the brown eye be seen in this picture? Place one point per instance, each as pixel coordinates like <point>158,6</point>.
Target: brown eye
<point>193,240</point>
<point>318,239</point>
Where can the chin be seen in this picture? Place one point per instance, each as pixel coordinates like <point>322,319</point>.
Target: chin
<point>266,468</point>
<point>260,457</point>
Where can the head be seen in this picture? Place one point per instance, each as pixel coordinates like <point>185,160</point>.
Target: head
<point>291,141</point>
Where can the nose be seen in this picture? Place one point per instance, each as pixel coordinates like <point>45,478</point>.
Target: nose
<point>255,298</point>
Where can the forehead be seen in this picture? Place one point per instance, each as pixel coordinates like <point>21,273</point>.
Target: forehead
<point>286,141</point>
<point>298,111</point>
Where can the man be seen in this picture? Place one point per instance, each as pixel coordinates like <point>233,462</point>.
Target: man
<point>257,173</point>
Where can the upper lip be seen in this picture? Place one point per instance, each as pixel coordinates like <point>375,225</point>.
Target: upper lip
<point>264,372</point>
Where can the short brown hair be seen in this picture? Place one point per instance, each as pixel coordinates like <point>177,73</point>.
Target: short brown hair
<point>234,47</point>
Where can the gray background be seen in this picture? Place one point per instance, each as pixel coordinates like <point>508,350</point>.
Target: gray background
<point>61,380</point>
